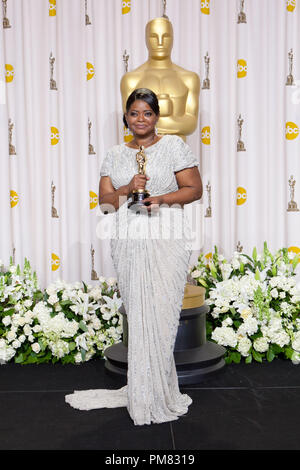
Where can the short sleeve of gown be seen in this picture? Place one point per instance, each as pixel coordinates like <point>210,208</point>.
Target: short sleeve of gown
<point>105,169</point>
<point>183,157</point>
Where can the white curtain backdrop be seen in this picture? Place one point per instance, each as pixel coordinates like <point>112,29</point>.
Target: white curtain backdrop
<point>49,186</point>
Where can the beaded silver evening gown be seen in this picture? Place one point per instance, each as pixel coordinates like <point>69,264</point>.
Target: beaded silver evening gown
<point>151,257</point>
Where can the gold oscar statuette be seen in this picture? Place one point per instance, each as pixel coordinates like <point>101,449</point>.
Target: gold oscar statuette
<point>176,88</point>
<point>138,195</point>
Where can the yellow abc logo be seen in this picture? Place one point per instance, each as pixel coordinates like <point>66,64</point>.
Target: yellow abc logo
<point>93,200</point>
<point>14,198</point>
<point>9,76</point>
<point>291,130</point>
<point>127,135</point>
<point>241,68</point>
<point>205,7</point>
<point>52,7</point>
<point>90,72</point>
<point>54,136</point>
<point>294,249</point>
<point>290,5</point>
<point>205,135</point>
<point>241,196</point>
<point>126,7</point>
<point>55,262</point>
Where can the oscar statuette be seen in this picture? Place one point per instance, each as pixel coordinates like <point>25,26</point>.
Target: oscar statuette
<point>138,195</point>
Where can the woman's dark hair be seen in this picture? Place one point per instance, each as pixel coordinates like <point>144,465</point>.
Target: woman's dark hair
<point>143,94</point>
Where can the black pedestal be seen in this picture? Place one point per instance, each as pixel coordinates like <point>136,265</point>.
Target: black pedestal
<point>194,356</point>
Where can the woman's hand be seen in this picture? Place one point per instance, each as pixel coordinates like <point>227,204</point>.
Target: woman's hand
<point>137,182</point>
<point>153,203</point>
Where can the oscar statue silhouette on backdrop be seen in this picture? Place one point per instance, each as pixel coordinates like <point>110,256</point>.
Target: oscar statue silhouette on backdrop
<point>177,89</point>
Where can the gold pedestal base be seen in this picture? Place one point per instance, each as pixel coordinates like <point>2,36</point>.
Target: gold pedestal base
<point>194,296</point>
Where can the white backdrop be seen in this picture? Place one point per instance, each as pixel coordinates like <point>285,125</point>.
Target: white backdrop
<point>248,67</point>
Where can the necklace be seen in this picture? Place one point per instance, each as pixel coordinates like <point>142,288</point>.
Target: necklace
<point>138,146</point>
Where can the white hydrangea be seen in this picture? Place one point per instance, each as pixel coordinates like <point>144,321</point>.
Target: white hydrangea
<point>7,352</point>
<point>248,327</point>
<point>225,336</point>
<point>227,322</point>
<point>296,341</point>
<point>244,345</point>
<point>261,344</point>
<point>59,348</point>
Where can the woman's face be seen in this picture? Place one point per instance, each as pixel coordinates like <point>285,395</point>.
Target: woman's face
<point>141,118</point>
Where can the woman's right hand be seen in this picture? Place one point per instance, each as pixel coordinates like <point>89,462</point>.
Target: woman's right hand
<point>137,182</point>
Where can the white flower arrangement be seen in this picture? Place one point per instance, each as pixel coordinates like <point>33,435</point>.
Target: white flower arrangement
<point>254,304</point>
<point>67,322</point>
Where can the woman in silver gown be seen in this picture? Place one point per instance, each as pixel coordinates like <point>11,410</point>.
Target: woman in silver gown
<point>150,253</point>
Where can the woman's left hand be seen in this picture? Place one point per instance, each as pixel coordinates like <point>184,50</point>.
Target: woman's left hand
<point>153,203</point>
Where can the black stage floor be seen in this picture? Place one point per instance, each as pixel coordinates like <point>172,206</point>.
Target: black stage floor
<point>254,406</point>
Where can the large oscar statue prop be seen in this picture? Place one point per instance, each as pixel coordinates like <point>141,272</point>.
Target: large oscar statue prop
<point>177,90</point>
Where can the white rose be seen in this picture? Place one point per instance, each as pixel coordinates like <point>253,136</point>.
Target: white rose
<point>37,328</point>
<point>196,274</point>
<point>11,335</point>
<point>53,299</point>
<point>28,303</point>
<point>274,293</point>
<point>6,320</point>
<point>27,330</point>
<point>22,338</point>
<point>107,315</point>
<point>36,347</point>
<point>21,321</point>
<point>16,344</point>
